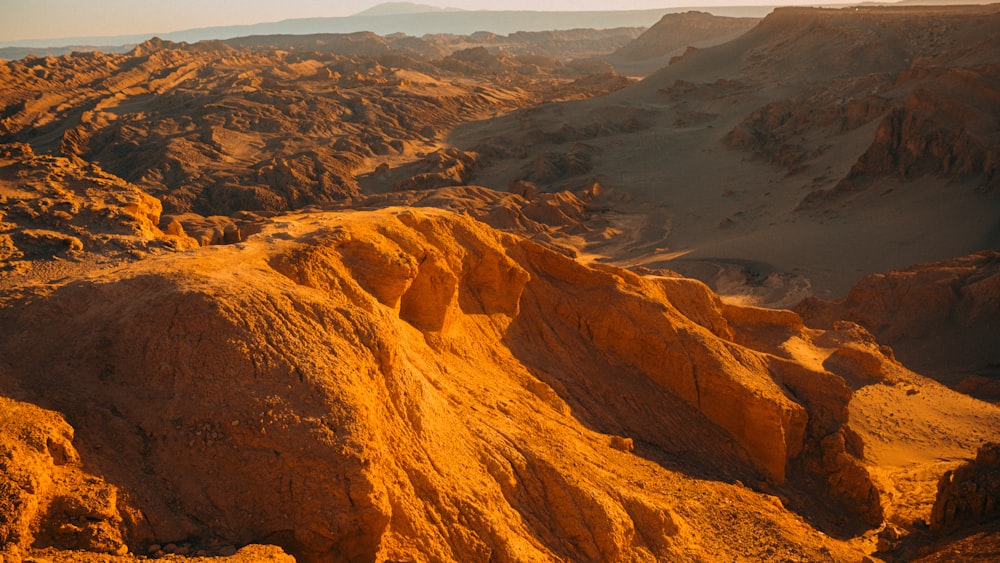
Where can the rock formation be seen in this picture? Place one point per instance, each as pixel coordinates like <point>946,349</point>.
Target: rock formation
<point>940,318</point>
<point>673,34</point>
<point>58,206</point>
<point>220,127</point>
<point>396,382</point>
<point>969,494</point>
<point>927,81</point>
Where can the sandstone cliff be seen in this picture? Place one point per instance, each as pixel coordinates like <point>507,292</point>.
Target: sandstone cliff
<point>970,494</point>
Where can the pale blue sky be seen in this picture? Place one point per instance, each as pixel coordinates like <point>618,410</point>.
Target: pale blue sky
<point>38,19</point>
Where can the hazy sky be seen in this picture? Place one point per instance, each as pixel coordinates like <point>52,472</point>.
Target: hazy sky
<point>42,19</point>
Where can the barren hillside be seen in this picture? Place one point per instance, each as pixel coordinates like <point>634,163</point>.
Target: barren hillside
<point>268,124</point>
<point>406,383</point>
<point>813,150</point>
<point>674,34</point>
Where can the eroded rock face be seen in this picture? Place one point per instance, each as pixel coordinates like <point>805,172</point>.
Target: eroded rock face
<point>945,126</point>
<point>46,497</point>
<point>969,495</point>
<point>916,301</point>
<point>777,132</point>
<point>546,218</point>
<point>58,206</point>
<point>442,168</point>
<point>268,124</point>
<point>938,317</point>
<point>915,88</point>
<point>375,385</point>
<point>938,132</point>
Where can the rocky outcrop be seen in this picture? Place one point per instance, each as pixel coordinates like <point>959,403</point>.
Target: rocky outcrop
<point>550,219</point>
<point>266,124</point>
<point>46,497</point>
<point>969,495</point>
<point>60,206</point>
<point>442,168</point>
<point>946,127</point>
<point>380,384</point>
<point>776,132</point>
<point>923,75</point>
<point>212,230</point>
<point>50,498</point>
<point>731,388</point>
<point>917,301</point>
<point>832,453</point>
<point>553,169</point>
<point>937,317</point>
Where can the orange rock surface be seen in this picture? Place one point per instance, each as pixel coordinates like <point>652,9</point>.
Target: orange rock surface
<point>407,383</point>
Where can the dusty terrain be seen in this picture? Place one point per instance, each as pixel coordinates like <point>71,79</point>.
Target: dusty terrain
<point>362,298</point>
<point>216,128</point>
<point>819,147</point>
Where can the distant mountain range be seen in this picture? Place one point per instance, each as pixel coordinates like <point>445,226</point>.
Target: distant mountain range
<point>384,19</point>
<point>403,8</point>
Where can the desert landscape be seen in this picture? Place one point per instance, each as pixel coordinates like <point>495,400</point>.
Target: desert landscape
<point>723,286</point>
